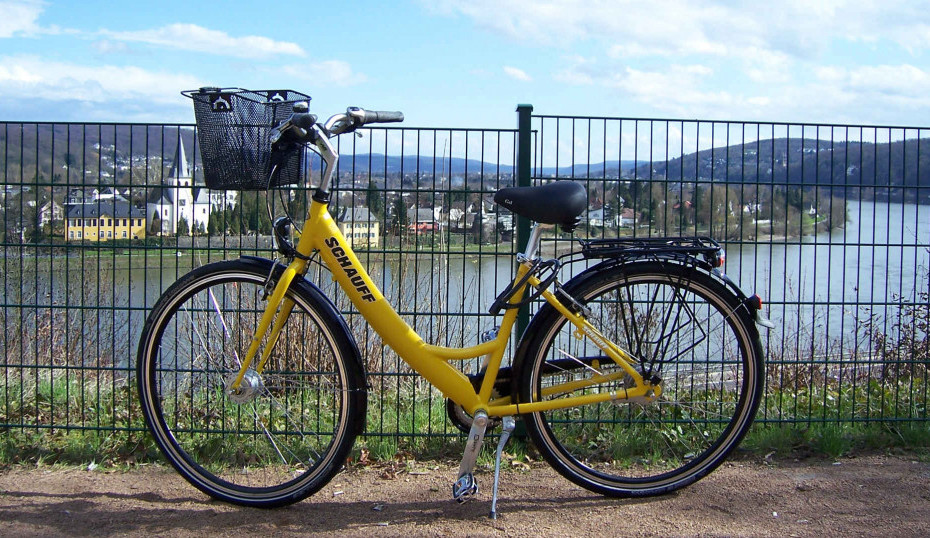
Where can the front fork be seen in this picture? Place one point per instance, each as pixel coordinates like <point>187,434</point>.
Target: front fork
<point>277,311</point>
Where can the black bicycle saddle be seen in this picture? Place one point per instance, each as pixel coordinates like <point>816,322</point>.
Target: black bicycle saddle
<point>559,202</point>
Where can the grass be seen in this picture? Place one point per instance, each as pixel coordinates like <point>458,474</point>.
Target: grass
<point>117,449</point>
<point>67,413</point>
<point>104,427</point>
<point>837,440</point>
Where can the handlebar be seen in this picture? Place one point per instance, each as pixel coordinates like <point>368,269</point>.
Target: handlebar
<point>302,128</point>
<point>299,127</point>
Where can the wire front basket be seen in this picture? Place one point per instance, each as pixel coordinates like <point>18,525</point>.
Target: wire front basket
<point>234,128</point>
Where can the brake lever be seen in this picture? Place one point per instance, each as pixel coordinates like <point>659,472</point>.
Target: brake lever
<point>278,132</point>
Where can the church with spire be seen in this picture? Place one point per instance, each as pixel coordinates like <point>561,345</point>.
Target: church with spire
<point>179,199</point>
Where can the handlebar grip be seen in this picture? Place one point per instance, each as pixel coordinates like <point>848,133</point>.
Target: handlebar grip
<point>297,129</point>
<point>381,116</point>
<point>360,116</point>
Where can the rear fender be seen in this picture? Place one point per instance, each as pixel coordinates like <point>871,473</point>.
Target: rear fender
<point>752,303</point>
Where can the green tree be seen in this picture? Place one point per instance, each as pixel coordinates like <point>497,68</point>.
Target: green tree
<point>183,227</point>
<point>400,220</point>
<point>374,199</point>
<point>235,220</point>
<point>700,218</point>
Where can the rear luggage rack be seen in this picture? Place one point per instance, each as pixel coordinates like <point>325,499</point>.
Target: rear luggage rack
<point>705,247</point>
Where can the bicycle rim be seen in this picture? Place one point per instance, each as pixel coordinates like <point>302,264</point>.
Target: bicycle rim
<point>683,327</point>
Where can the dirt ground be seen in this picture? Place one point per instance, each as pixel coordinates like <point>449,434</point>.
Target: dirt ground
<point>867,495</point>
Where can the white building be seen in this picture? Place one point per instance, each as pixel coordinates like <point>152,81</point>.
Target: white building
<point>180,198</point>
<point>50,213</point>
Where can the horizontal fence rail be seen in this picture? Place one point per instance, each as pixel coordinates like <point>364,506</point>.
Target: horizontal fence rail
<point>830,224</point>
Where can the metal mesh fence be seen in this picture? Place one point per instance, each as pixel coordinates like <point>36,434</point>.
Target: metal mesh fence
<point>830,224</point>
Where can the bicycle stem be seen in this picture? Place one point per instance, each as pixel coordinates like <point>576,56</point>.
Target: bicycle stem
<point>330,157</point>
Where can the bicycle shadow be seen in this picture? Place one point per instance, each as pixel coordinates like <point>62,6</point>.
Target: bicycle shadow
<point>95,513</point>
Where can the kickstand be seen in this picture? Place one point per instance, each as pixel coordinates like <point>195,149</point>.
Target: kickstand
<point>508,426</point>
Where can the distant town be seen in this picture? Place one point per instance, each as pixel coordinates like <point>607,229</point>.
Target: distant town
<point>110,190</point>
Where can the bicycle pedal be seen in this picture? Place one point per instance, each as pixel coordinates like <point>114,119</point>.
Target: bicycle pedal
<point>465,488</point>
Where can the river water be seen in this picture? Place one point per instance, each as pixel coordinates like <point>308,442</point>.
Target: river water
<point>817,289</point>
<point>825,285</point>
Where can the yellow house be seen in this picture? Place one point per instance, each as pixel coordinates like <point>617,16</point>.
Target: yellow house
<point>360,227</point>
<point>104,221</point>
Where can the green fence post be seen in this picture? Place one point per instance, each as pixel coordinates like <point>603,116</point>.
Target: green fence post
<point>524,163</point>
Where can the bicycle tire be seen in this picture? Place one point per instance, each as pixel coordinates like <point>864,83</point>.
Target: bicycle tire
<point>292,427</point>
<point>700,341</point>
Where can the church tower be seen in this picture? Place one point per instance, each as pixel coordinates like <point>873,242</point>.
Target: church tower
<point>180,184</point>
<point>173,200</point>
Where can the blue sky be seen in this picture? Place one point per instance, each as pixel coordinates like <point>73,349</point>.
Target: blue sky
<point>469,63</point>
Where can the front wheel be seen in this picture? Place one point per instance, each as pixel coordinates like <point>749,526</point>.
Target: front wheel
<point>684,327</point>
<point>287,430</point>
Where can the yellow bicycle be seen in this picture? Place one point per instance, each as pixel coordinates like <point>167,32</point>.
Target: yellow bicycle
<point>636,377</point>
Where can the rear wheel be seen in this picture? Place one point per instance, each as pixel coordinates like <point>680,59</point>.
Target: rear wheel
<point>289,429</point>
<point>686,328</point>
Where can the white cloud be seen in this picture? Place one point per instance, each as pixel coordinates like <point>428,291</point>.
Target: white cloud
<point>898,92</point>
<point>626,27</point>
<point>677,89</point>
<point>631,27</point>
<point>331,72</point>
<point>517,74</point>
<point>879,94</point>
<point>766,66</point>
<point>29,75</point>
<point>105,88</point>
<point>106,46</point>
<point>891,79</point>
<point>19,17</point>
<point>199,39</point>
<point>760,52</point>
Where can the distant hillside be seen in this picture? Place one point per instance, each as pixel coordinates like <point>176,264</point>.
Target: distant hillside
<point>380,164</point>
<point>72,152</point>
<point>804,161</point>
<point>75,153</point>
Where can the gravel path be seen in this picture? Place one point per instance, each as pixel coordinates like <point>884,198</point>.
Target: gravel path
<point>863,496</point>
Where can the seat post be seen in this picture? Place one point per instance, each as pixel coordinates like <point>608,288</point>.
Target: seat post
<point>532,244</point>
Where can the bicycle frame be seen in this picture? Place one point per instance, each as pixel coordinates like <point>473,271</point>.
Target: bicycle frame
<point>321,234</point>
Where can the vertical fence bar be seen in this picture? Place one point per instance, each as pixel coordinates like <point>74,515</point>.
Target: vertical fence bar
<point>524,172</point>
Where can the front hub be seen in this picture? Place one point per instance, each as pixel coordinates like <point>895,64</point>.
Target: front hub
<point>249,388</point>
